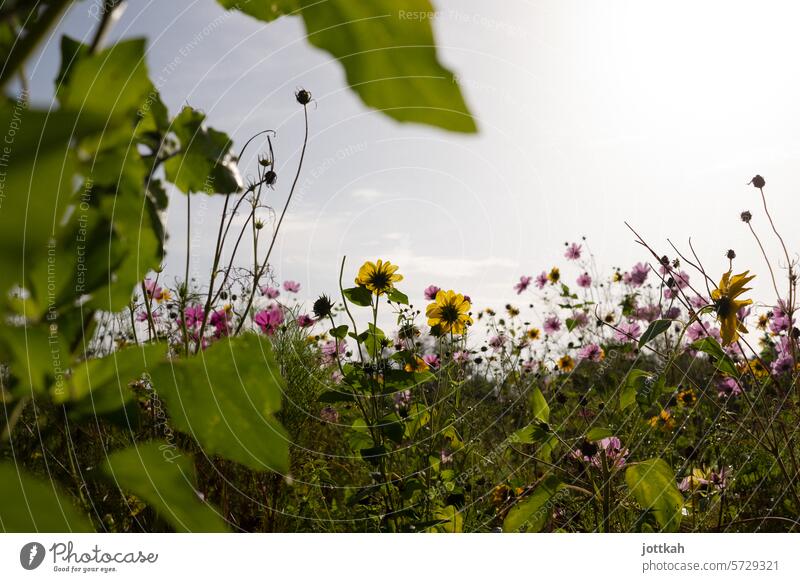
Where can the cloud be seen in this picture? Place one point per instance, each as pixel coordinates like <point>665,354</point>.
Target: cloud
<point>366,194</point>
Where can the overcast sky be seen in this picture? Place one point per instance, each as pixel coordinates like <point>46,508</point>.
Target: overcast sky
<point>590,114</point>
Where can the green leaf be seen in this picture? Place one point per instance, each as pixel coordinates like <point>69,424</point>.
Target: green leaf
<point>36,356</point>
<point>532,512</point>
<point>339,332</point>
<point>226,398</point>
<point>165,478</point>
<point>597,434</point>
<point>723,362</point>
<point>358,296</point>
<point>388,53</point>
<point>331,396</point>
<point>652,483</point>
<point>392,426</point>
<point>397,296</point>
<point>374,339</point>
<point>655,329</point>
<point>528,435</point>
<point>539,405</point>
<point>205,162</point>
<point>633,384</point>
<point>31,505</point>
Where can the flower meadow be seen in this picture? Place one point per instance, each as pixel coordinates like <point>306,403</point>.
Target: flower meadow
<point>657,397</point>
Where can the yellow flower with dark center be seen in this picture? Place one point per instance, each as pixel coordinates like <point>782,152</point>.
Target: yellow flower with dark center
<point>617,277</point>
<point>512,311</point>
<point>687,397</point>
<point>449,313</point>
<point>533,334</point>
<point>554,275</point>
<point>763,321</point>
<point>757,366</point>
<point>727,305</point>
<point>419,365</point>
<point>566,363</point>
<point>663,421</point>
<point>379,277</point>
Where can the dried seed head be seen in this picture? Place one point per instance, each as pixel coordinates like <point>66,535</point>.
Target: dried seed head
<point>322,307</point>
<point>758,181</point>
<point>746,216</point>
<point>303,97</point>
<point>270,178</point>
<point>731,254</point>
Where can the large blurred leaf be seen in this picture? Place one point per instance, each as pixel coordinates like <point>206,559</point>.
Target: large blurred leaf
<point>531,513</point>
<point>226,398</point>
<point>652,483</point>
<point>388,53</point>
<point>36,356</point>
<point>165,478</point>
<point>204,163</point>
<point>29,504</point>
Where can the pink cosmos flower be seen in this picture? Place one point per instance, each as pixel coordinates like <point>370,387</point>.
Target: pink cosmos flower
<point>610,448</point>
<point>461,357</point>
<point>698,302</point>
<point>220,320</point>
<point>330,352</point>
<point>329,414</point>
<point>628,331</point>
<point>306,320</point>
<point>580,319</point>
<point>727,387</point>
<point>524,282</point>
<point>648,313</point>
<point>432,360</point>
<point>591,352</point>
<point>194,316</point>
<point>269,319</point>
<point>497,342</point>
<point>637,275</point>
<point>430,292</point>
<point>673,312</point>
<point>573,252</point>
<point>584,280</point>
<point>270,292</point>
<point>541,280</point>
<point>551,324</point>
<point>291,286</point>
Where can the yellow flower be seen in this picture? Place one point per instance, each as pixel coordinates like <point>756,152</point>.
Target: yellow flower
<point>164,295</point>
<point>419,365</point>
<point>512,311</point>
<point>687,397</point>
<point>763,321</point>
<point>554,275</point>
<point>727,305</point>
<point>566,363</point>
<point>617,277</point>
<point>449,313</point>
<point>534,334</point>
<point>378,277</point>
<point>664,421</point>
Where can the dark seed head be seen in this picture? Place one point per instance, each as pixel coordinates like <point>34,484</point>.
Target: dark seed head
<point>303,97</point>
<point>758,181</point>
<point>746,216</point>
<point>270,177</point>
<point>731,254</point>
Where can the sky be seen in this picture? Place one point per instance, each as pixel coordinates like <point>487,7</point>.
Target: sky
<point>591,113</point>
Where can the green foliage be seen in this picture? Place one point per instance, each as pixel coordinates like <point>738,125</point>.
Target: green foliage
<point>722,361</point>
<point>654,330</point>
<point>652,483</point>
<point>531,513</point>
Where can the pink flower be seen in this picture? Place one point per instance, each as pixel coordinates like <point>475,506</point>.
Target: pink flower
<point>220,320</point>
<point>194,316</point>
<point>461,357</point>
<point>591,352</point>
<point>291,286</point>
<point>306,320</point>
<point>330,352</point>
<point>647,313</point>
<point>727,387</point>
<point>497,342</point>
<point>580,319</point>
<point>269,319</point>
<point>329,415</point>
<point>673,312</point>
<point>551,324</point>
<point>523,284</point>
<point>637,275</point>
<point>270,292</point>
<point>780,321</point>
<point>573,252</point>
<point>628,331</point>
<point>584,280</point>
<point>430,292</point>
<point>432,360</point>
<point>541,280</point>
<point>698,302</point>
<point>610,448</point>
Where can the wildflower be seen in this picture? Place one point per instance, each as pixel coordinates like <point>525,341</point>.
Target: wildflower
<point>726,305</point>
<point>780,322</point>
<point>673,312</point>
<point>591,352</point>
<point>430,292</point>
<point>497,342</point>
<point>533,334</point>
<point>584,280</point>
<point>783,364</point>
<point>291,286</point>
<point>554,275</point>
<point>450,312</point>
<point>541,280</point>
<point>616,277</point>
<point>573,252</point>
<point>461,357</point>
<point>323,307</point>
<point>445,457</point>
<point>551,325</point>
<point>329,415</point>
<point>579,319</point>
<point>524,283</point>
<point>663,421</point>
<point>418,365</point>
<point>331,350</point>
<point>269,319</point>
<point>378,277</point>
<point>511,310</point>
<point>763,321</point>
<point>727,387</point>
<point>500,495</point>
<point>432,360</point>
<point>566,363</point>
<point>686,397</point>
<point>270,292</point>
<point>220,319</point>
<point>757,368</point>
<point>193,316</point>
<point>637,275</point>
<point>153,291</point>
<point>628,331</point>
<point>305,321</point>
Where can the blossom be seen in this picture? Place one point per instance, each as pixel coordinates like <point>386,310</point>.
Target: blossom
<point>329,415</point>
<point>541,280</point>
<point>554,275</point>
<point>648,312</point>
<point>449,313</point>
<point>584,280</point>
<point>573,252</point>
<point>533,334</point>
<point>524,282</point>
<point>497,342</point>
<point>637,275</point>
<point>379,277</point>
<point>330,350</point>
<point>270,292</point>
<point>306,320</point>
<point>269,319</point>
<point>698,301</point>
<point>551,324</point>
<point>430,292</point>
<point>432,360</point>
<point>153,291</point>
<point>402,399</point>
<point>727,387</point>
<point>193,316</point>
<point>220,319</point>
<point>727,304</point>
<point>461,357</point>
<point>291,286</point>
<point>417,364</point>
<point>566,363</point>
<point>783,364</point>
<point>579,319</point>
<point>610,447</point>
<point>662,421</point>
<point>591,352</point>
<point>673,312</point>
<point>628,331</point>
